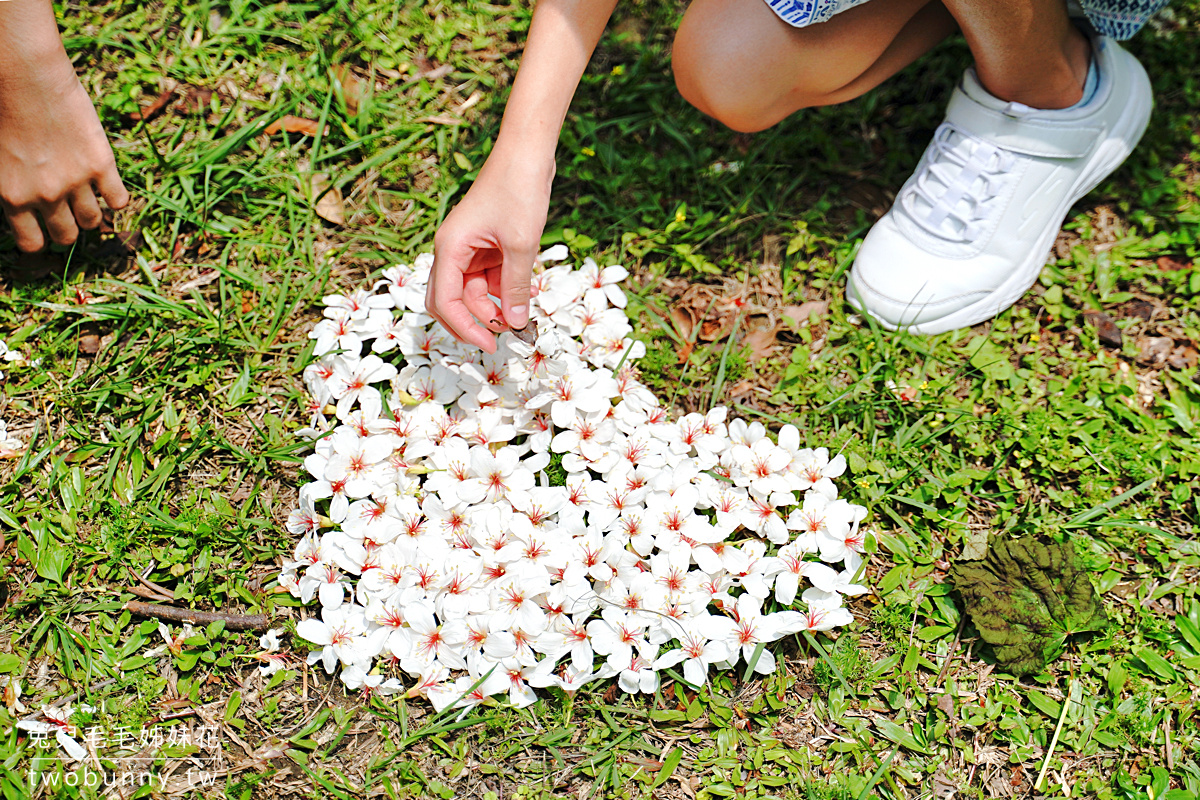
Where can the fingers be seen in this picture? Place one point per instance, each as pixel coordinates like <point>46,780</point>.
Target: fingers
<point>112,189</point>
<point>475,297</point>
<point>444,299</point>
<point>78,210</point>
<point>26,230</point>
<point>85,208</point>
<point>60,223</point>
<point>516,274</point>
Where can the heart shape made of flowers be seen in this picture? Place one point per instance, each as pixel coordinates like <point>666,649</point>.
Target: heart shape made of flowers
<point>493,524</point>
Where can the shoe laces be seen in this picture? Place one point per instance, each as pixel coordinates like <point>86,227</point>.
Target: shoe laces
<point>955,191</point>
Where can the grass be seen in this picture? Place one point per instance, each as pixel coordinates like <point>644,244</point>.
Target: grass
<point>161,411</point>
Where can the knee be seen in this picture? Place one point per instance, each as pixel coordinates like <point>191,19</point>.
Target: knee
<point>717,76</point>
<point>706,83</point>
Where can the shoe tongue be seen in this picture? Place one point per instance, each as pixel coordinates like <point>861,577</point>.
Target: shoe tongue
<point>953,186</point>
<point>949,185</point>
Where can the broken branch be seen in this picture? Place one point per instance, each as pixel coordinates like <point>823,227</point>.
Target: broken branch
<point>234,622</point>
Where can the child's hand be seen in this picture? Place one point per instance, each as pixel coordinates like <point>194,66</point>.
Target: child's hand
<point>488,245</point>
<point>54,157</point>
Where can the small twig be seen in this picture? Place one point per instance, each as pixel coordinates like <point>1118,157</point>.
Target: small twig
<point>68,698</point>
<point>950,653</point>
<point>1054,741</point>
<point>142,591</point>
<point>234,622</point>
<point>1170,755</point>
<point>161,591</point>
<point>187,712</point>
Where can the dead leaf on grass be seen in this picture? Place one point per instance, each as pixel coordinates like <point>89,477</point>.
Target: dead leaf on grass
<point>803,313</point>
<point>433,73</point>
<point>196,100</point>
<point>204,280</point>
<point>740,388</point>
<point>684,321</point>
<point>1184,357</point>
<point>1140,309</point>
<point>975,544</point>
<point>762,341</point>
<point>1168,264</point>
<point>714,330</point>
<point>944,788</point>
<point>291,124</point>
<point>353,87</point>
<point>440,119</point>
<point>154,107</point>
<point>327,200</point>
<point>1153,351</point>
<point>1106,329</point>
<point>475,97</point>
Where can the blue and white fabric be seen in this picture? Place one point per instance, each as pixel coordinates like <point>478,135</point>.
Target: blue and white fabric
<point>1119,19</point>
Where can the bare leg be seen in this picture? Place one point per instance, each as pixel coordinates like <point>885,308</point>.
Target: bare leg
<point>1026,51</point>
<point>737,61</point>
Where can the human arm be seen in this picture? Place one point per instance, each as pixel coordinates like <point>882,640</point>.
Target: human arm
<point>488,243</point>
<point>54,156</point>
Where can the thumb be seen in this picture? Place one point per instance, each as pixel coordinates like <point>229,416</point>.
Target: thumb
<point>516,275</point>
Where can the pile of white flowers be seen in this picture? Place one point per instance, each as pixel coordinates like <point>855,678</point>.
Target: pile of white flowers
<point>496,523</point>
<point>10,445</point>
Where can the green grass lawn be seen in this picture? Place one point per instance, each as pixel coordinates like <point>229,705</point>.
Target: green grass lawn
<point>163,393</point>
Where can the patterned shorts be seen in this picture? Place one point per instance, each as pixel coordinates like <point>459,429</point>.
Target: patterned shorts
<point>1119,19</point>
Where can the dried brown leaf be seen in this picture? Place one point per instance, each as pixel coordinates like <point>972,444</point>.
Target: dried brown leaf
<point>714,330</point>
<point>527,334</point>
<point>327,200</point>
<point>475,97</point>
<point>804,312</point>
<point>89,344</point>
<point>353,87</point>
<point>740,388</point>
<point>440,119</point>
<point>1168,264</point>
<point>291,124</point>
<point>1153,351</point>
<point>762,342</point>
<point>196,100</point>
<point>684,321</point>
<point>1140,309</point>
<point>154,107</point>
<point>1184,357</point>
<point>204,280</point>
<point>1106,329</point>
<point>434,73</point>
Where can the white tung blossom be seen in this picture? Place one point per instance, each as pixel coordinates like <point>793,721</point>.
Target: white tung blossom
<point>10,445</point>
<point>489,525</point>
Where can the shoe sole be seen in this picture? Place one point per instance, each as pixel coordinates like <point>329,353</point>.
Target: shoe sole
<point>1111,154</point>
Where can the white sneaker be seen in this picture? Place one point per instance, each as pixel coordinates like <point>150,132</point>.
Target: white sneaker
<point>970,230</point>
